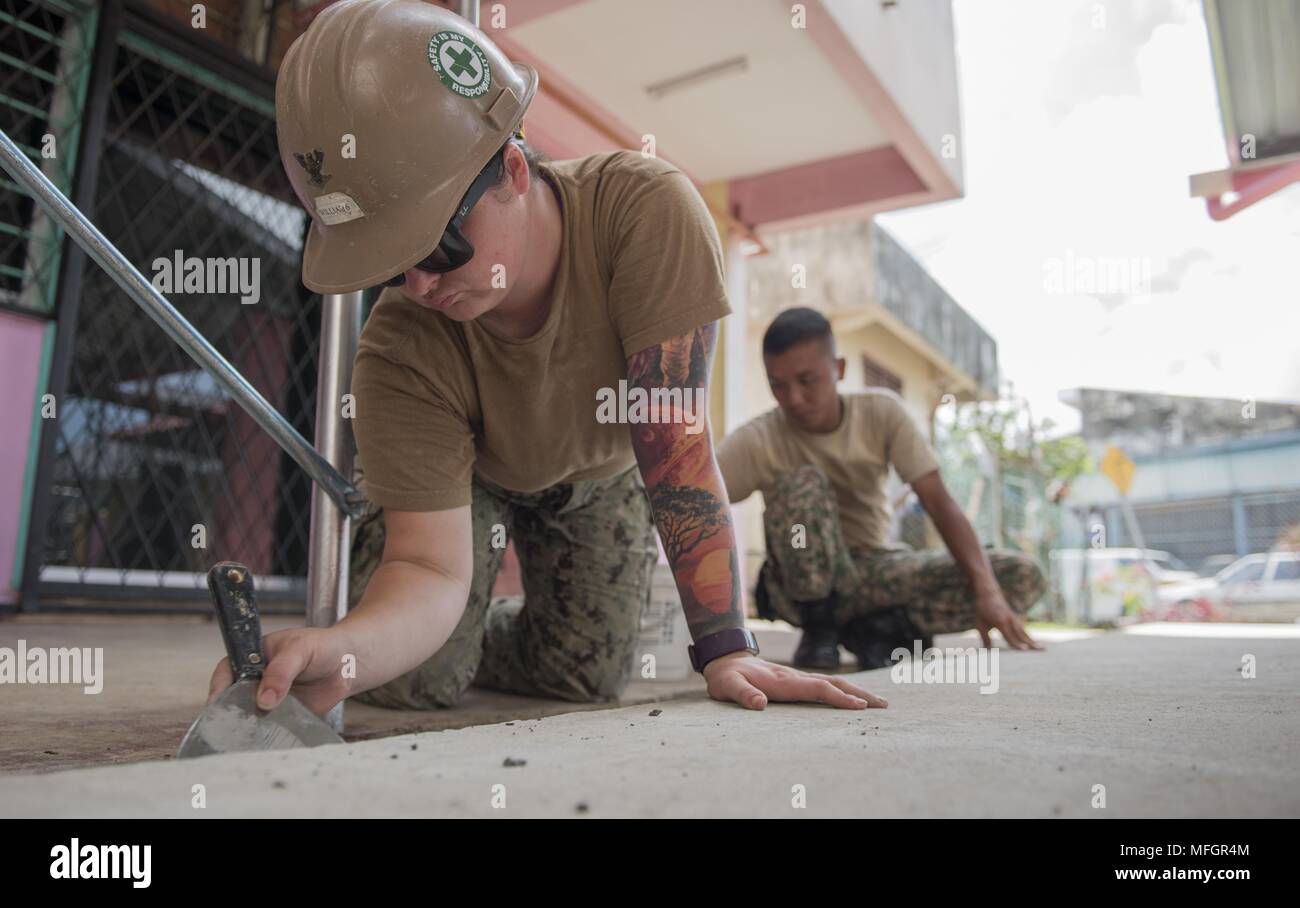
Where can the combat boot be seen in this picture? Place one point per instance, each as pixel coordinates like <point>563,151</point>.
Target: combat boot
<point>873,637</point>
<point>819,647</point>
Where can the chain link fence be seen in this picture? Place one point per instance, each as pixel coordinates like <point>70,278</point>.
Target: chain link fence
<point>1008,508</point>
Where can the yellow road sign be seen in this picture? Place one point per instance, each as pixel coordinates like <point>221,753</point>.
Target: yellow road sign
<point>1118,468</point>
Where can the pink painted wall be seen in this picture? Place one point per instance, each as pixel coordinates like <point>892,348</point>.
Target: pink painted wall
<point>20,362</point>
<point>837,185</point>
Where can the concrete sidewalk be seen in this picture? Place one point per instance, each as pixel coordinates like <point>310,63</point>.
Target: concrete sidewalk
<point>157,671</point>
<point>1167,724</point>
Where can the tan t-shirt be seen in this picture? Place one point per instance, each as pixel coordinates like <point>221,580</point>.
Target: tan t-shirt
<point>876,431</point>
<point>437,400</point>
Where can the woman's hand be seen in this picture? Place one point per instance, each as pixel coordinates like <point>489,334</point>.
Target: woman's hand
<point>304,661</point>
<point>751,682</point>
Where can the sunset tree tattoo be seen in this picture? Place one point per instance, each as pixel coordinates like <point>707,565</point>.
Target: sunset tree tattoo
<point>686,490</point>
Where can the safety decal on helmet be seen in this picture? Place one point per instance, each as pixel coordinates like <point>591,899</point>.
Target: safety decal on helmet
<point>460,64</point>
<point>337,208</point>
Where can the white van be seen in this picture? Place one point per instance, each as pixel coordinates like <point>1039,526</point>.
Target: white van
<point>1121,582</point>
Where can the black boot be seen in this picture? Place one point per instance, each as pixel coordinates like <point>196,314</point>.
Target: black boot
<point>873,637</point>
<point>819,647</point>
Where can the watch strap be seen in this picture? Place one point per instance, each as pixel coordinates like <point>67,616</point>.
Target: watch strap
<point>721,643</point>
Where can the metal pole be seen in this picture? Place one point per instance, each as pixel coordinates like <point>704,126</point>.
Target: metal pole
<point>469,10</point>
<point>329,547</point>
<point>125,275</point>
<point>1130,518</point>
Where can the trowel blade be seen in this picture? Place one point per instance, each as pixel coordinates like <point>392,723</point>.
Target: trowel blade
<point>232,722</point>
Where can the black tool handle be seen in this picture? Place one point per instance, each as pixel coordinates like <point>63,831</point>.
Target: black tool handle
<point>231,585</point>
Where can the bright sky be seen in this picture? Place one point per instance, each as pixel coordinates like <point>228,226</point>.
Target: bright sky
<point>1078,144</point>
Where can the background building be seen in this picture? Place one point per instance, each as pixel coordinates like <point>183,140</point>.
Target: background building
<point>1215,478</point>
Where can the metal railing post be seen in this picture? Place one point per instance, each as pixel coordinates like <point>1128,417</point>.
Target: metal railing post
<point>330,542</point>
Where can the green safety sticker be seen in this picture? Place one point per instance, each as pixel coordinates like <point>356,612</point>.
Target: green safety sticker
<point>460,64</point>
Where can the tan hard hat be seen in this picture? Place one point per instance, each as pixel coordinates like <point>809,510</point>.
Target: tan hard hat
<point>428,100</point>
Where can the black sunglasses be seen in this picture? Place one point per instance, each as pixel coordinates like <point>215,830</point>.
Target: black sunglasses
<point>454,249</point>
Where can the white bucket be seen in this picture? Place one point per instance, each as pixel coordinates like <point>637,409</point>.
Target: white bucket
<point>664,633</point>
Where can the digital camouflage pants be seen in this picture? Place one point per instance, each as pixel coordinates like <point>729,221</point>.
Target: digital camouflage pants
<point>929,583</point>
<point>586,551</point>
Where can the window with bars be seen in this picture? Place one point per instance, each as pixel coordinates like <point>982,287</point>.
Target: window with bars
<point>45,51</point>
<point>875,375</point>
<point>157,474</point>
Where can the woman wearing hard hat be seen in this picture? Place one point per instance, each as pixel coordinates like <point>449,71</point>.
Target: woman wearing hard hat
<point>538,365</point>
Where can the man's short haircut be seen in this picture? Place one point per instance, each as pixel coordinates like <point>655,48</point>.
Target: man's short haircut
<point>794,326</point>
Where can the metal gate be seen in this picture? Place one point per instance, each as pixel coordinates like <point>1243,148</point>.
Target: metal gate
<point>150,469</point>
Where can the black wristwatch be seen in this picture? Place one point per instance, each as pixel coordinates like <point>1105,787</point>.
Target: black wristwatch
<point>731,640</point>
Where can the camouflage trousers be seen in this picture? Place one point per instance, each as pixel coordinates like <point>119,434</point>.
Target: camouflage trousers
<point>587,553</point>
<point>929,583</point>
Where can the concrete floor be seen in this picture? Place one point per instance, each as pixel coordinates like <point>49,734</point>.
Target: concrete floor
<point>1162,718</point>
<point>157,671</point>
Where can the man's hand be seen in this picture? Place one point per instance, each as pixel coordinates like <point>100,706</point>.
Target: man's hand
<point>303,661</point>
<point>751,682</point>
<point>991,610</point>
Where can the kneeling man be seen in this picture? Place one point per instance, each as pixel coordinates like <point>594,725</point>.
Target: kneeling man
<point>821,459</point>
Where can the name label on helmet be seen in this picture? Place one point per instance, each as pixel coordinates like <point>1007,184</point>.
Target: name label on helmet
<point>460,64</point>
<point>338,208</point>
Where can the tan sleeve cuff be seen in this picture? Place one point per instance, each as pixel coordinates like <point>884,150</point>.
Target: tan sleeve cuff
<point>675,326</point>
<point>424,500</point>
<point>918,470</point>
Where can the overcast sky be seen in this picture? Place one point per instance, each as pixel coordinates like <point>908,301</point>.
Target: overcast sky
<point>1078,143</point>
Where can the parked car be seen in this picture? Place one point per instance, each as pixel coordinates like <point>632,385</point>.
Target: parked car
<point>1165,568</point>
<point>1260,587</point>
<point>1215,563</point>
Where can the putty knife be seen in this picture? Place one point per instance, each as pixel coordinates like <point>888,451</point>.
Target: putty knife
<point>233,722</point>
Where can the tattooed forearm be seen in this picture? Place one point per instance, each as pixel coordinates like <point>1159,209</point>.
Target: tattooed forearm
<point>686,489</point>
